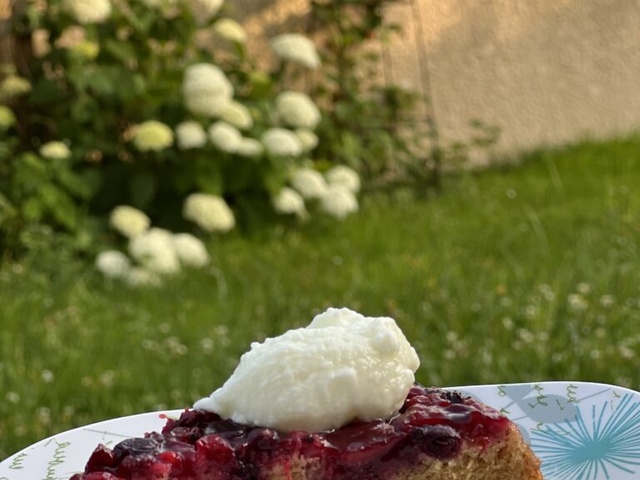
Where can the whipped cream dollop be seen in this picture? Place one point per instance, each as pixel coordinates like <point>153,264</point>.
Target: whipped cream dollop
<point>341,367</point>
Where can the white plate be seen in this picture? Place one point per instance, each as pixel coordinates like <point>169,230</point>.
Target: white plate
<point>580,431</point>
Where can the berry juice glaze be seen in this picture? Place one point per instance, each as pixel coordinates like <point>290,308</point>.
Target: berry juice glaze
<point>431,422</point>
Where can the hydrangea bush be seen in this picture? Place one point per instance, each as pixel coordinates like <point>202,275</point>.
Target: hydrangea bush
<point>369,123</point>
<point>134,113</point>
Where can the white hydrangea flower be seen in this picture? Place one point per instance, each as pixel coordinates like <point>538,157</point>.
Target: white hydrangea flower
<point>152,135</point>
<point>288,201</point>
<point>281,142</point>
<point>7,117</point>
<point>206,78</point>
<point>85,49</point>
<point>238,115</point>
<point>191,251</point>
<point>338,201</point>
<point>154,250</point>
<point>308,139</point>
<point>231,30</point>
<point>203,10</point>
<point>250,147</point>
<point>88,11</point>
<point>224,136</point>
<point>309,182</point>
<point>14,86</point>
<point>190,135</point>
<point>296,109</point>
<point>344,176</point>
<point>209,212</point>
<point>129,221</point>
<point>160,4</point>
<point>113,263</point>
<point>206,106</point>
<point>141,277</point>
<point>55,150</point>
<point>296,48</point>
<point>206,90</point>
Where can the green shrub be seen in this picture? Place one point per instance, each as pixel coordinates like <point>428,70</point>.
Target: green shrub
<point>366,123</point>
<point>144,114</point>
<point>148,103</point>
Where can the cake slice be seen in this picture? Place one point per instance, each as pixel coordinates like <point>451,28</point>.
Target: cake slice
<point>336,400</point>
<point>437,435</point>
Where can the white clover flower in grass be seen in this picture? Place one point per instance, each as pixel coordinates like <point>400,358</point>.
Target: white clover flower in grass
<point>309,182</point>
<point>190,135</point>
<point>238,115</point>
<point>296,109</point>
<point>203,10</point>
<point>113,263</point>
<point>55,151</point>
<point>154,250</point>
<point>129,221</point>
<point>308,139</point>
<point>288,202</point>
<point>152,135</point>
<point>209,212</point>
<point>231,30</point>
<point>191,251</point>
<point>341,175</point>
<point>250,148</point>
<point>14,86</point>
<point>7,117</point>
<point>206,90</point>
<point>338,202</point>
<point>281,142</point>
<point>296,48</point>
<point>88,11</point>
<point>225,136</point>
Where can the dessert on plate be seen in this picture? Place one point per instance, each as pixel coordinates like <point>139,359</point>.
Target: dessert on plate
<point>336,400</point>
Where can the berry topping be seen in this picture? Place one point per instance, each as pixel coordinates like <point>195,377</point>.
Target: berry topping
<point>432,422</point>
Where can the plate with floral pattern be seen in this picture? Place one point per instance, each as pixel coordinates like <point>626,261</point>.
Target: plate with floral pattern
<point>579,430</point>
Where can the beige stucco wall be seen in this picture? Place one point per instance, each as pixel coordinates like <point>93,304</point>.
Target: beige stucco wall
<point>545,72</point>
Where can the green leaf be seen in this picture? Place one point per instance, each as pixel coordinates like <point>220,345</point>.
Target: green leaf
<point>208,177</point>
<point>238,175</point>
<point>75,184</point>
<point>32,209</point>
<point>59,205</point>
<point>273,180</point>
<point>344,111</point>
<point>120,50</point>
<point>102,81</point>
<point>143,22</point>
<point>7,210</point>
<point>31,171</point>
<point>83,109</point>
<point>139,83</point>
<point>142,188</point>
<point>261,85</point>
<point>351,147</point>
<point>34,163</point>
<point>45,91</point>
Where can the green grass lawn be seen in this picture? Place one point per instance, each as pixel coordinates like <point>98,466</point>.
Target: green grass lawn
<point>527,273</point>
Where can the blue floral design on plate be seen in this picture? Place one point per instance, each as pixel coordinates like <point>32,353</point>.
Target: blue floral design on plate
<point>604,445</point>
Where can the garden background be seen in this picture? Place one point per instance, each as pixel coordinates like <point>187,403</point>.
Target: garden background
<point>521,271</point>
